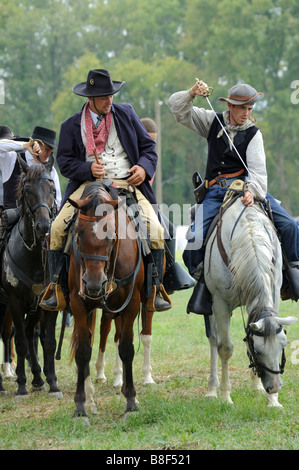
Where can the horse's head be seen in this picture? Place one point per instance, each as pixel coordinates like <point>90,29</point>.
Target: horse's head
<point>36,197</point>
<point>96,235</point>
<point>266,340</point>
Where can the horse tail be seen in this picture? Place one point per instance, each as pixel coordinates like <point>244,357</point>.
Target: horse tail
<point>91,322</point>
<point>253,256</point>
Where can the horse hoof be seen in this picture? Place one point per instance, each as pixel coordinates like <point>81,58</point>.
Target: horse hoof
<point>83,419</point>
<point>131,408</point>
<point>8,371</point>
<point>58,395</point>
<point>149,381</point>
<point>210,397</point>
<point>101,380</point>
<point>21,396</point>
<point>38,388</point>
<point>129,413</point>
<point>118,383</point>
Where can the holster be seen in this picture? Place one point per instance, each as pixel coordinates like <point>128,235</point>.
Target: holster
<point>200,187</point>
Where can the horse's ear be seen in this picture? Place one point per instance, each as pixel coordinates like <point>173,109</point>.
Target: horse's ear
<point>74,202</point>
<point>78,203</point>
<point>50,163</point>
<point>256,326</point>
<point>287,320</point>
<point>23,164</point>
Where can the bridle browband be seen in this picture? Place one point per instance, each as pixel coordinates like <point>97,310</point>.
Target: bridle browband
<point>255,365</point>
<point>88,218</point>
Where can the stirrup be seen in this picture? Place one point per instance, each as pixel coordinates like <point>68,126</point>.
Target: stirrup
<point>150,305</point>
<point>200,300</point>
<point>53,290</point>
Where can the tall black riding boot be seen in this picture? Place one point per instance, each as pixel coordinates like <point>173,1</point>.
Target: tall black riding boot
<point>292,275</point>
<point>200,300</point>
<point>54,298</point>
<point>175,276</point>
<point>160,303</point>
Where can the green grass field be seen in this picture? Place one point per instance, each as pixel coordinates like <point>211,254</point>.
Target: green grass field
<point>173,413</point>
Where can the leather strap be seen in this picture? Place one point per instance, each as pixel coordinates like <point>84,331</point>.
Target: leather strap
<point>1,190</point>
<point>231,175</point>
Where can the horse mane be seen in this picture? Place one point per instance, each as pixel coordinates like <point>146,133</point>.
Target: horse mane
<point>253,260</point>
<point>91,191</point>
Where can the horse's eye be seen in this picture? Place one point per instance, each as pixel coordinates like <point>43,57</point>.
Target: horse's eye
<point>28,189</point>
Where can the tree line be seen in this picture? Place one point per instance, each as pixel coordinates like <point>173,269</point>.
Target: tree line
<point>47,46</point>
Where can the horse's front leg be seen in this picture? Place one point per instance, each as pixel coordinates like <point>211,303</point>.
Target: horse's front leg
<point>126,353</point>
<point>146,338</point>
<point>118,367</point>
<point>104,332</point>
<point>48,341</point>
<point>31,322</point>
<point>83,336</point>
<point>225,345</point>
<point>21,350</point>
<point>7,338</point>
<point>213,383</point>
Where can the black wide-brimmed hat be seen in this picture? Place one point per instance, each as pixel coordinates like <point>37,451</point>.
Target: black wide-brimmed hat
<point>242,94</point>
<point>45,135</point>
<point>98,83</point>
<point>5,133</point>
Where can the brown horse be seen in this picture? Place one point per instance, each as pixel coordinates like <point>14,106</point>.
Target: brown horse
<point>106,271</point>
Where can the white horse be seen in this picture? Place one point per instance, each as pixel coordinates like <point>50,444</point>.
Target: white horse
<point>243,267</point>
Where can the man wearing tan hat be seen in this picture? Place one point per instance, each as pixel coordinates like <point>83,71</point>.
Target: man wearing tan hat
<point>235,151</point>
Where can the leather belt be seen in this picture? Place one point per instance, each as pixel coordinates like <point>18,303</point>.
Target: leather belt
<point>220,177</point>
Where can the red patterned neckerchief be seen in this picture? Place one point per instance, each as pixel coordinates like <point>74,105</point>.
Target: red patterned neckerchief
<point>96,137</point>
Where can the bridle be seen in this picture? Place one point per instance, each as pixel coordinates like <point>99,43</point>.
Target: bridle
<point>37,287</point>
<point>113,284</point>
<point>255,365</point>
<point>29,210</point>
<point>81,256</point>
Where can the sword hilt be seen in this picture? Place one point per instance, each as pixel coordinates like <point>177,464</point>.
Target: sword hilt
<point>208,91</point>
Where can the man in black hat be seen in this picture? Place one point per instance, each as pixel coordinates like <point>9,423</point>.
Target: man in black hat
<point>125,154</point>
<point>47,138</point>
<point>224,165</point>
<point>11,146</point>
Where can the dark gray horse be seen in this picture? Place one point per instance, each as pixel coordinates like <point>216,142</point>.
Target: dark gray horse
<point>22,278</point>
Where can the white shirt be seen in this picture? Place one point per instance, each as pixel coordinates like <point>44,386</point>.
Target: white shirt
<point>8,157</point>
<point>114,157</point>
<point>200,121</point>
